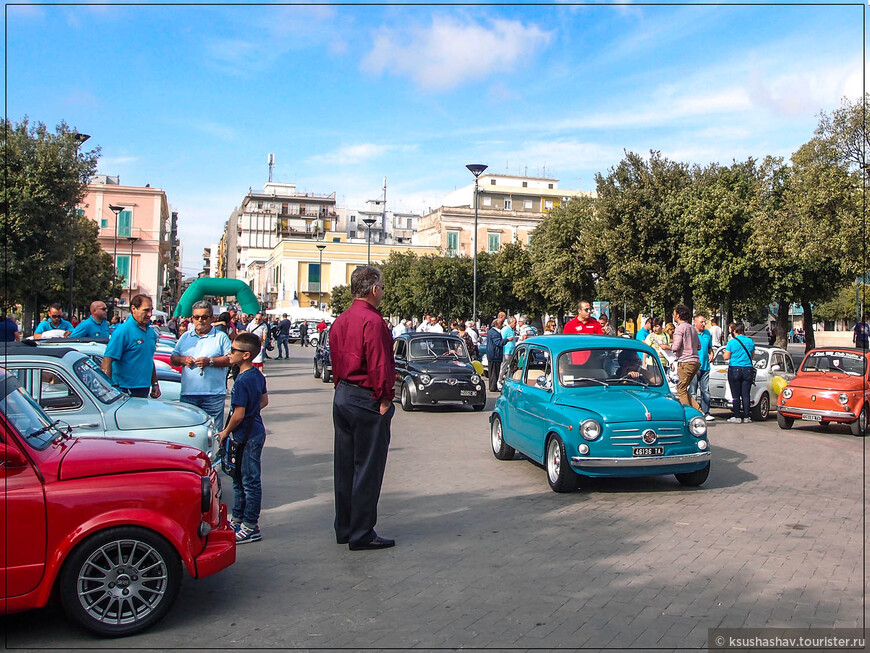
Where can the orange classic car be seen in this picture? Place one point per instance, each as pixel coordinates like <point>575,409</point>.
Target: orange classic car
<point>831,386</point>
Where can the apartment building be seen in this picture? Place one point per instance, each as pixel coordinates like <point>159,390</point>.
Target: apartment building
<point>139,231</point>
<point>509,209</point>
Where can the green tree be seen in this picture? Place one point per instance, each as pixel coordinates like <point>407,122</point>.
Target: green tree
<point>843,306</point>
<point>45,178</point>
<point>340,299</point>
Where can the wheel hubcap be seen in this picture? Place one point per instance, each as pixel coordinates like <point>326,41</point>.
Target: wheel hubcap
<point>122,582</point>
<point>554,461</point>
<point>496,436</point>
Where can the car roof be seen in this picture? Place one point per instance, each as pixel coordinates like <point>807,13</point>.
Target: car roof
<point>557,343</point>
<point>425,334</point>
<point>26,349</point>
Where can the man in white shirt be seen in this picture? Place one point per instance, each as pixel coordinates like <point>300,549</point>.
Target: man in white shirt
<point>399,329</point>
<point>434,325</point>
<point>472,333</point>
<point>715,332</point>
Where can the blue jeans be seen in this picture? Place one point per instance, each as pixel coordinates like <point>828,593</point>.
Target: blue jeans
<point>740,381</point>
<point>702,382</point>
<point>211,404</point>
<point>248,490</point>
<point>283,341</point>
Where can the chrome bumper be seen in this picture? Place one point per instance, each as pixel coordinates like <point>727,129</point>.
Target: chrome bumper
<point>834,414</point>
<point>653,461</point>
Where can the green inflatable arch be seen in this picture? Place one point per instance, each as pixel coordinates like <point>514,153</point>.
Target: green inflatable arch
<point>219,288</point>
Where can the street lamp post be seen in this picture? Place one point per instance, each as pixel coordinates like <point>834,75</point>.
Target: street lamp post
<point>369,222</point>
<point>79,139</point>
<point>132,240</point>
<point>320,285</point>
<point>476,169</point>
<point>117,211</point>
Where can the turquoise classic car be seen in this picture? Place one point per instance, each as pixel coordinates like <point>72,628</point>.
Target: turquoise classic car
<point>596,406</point>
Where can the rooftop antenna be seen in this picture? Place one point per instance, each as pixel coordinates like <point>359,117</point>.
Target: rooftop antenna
<point>271,165</point>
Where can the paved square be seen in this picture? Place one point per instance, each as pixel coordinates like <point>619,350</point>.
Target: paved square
<point>488,557</point>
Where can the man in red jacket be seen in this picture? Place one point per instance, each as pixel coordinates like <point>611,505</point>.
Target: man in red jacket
<point>361,348</point>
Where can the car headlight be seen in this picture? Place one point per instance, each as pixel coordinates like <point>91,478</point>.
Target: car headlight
<point>698,426</point>
<point>475,378</point>
<point>590,429</point>
<point>787,393</point>
<point>844,398</point>
<point>210,432</point>
<point>425,379</point>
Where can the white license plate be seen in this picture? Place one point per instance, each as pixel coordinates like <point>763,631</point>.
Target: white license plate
<point>467,393</point>
<point>811,418</point>
<point>648,451</point>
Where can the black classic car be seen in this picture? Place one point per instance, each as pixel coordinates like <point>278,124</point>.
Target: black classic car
<point>322,361</point>
<point>435,368</point>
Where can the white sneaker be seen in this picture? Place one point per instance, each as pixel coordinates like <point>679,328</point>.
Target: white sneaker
<point>709,417</point>
<point>734,420</point>
<point>747,420</point>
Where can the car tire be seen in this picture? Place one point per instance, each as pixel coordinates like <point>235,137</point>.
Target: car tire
<point>317,370</point>
<point>325,374</point>
<point>479,407</point>
<point>500,449</point>
<point>407,404</point>
<point>859,426</point>
<point>560,476</point>
<point>694,479</point>
<point>761,410</point>
<point>90,592</point>
<point>784,422</point>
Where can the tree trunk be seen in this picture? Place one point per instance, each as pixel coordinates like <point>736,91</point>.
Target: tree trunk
<point>782,324</point>
<point>808,326</point>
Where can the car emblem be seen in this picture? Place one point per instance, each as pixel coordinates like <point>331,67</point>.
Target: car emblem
<point>649,436</point>
<point>813,398</point>
<point>452,381</point>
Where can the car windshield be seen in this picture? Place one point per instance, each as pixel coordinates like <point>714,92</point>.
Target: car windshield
<point>605,367</point>
<point>96,381</point>
<point>26,416</point>
<point>759,358</point>
<point>438,347</point>
<point>846,362</point>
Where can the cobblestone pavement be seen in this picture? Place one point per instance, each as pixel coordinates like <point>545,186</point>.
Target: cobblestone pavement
<point>488,557</point>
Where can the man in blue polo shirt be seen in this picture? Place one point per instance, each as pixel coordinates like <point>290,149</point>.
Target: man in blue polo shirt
<point>129,357</point>
<point>54,326</point>
<point>96,326</point>
<point>204,355</point>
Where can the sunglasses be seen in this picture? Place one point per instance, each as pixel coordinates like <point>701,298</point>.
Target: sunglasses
<point>237,350</point>
<point>201,317</point>
<point>587,309</point>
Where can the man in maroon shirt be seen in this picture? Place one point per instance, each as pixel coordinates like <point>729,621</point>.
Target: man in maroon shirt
<point>361,348</point>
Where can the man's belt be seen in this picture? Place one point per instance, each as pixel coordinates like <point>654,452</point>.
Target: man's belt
<point>355,385</point>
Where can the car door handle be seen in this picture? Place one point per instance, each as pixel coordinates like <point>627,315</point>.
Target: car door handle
<point>91,425</point>
<point>520,390</point>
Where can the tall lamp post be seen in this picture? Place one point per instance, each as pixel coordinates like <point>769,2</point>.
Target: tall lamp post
<point>79,139</point>
<point>320,285</point>
<point>476,169</point>
<point>369,222</point>
<point>132,240</point>
<point>117,211</point>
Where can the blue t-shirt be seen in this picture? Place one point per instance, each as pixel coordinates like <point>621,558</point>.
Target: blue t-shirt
<point>509,345</point>
<point>208,380</point>
<point>641,334</point>
<point>706,339</point>
<point>46,325</point>
<point>739,357</point>
<point>248,390</point>
<point>8,329</point>
<point>91,329</point>
<point>131,349</point>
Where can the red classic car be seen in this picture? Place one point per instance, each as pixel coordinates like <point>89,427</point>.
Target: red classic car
<point>105,526</point>
<point>831,386</point>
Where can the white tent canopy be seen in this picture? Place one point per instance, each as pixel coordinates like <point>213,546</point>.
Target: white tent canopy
<point>301,313</point>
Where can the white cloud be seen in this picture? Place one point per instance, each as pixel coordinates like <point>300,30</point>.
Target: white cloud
<point>449,53</point>
<point>356,154</point>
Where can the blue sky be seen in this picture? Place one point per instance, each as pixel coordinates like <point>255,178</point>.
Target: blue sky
<point>347,95</point>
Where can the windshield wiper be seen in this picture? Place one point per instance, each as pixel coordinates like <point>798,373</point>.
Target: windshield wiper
<point>44,429</point>
<point>627,380</point>
<point>576,381</point>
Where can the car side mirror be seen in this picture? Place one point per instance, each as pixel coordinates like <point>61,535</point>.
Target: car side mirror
<point>542,382</point>
<point>776,368</point>
<point>11,456</point>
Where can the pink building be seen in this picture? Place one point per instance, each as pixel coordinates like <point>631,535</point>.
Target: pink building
<point>143,244</point>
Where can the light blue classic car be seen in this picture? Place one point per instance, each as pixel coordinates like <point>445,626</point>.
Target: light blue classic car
<point>586,405</point>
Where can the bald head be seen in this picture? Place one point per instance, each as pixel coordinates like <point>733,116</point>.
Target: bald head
<point>98,310</point>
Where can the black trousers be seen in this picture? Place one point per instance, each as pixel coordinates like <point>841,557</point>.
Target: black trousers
<point>362,438</point>
<point>494,371</point>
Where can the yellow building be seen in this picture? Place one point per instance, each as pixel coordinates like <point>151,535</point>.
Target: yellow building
<point>305,270</point>
<point>509,209</point>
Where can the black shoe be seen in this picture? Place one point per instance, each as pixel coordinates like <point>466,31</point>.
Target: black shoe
<point>341,540</point>
<point>376,543</point>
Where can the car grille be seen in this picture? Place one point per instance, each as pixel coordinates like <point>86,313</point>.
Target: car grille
<point>628,436</point>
